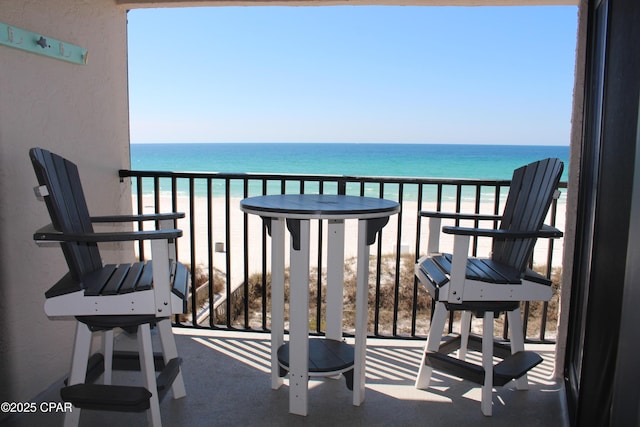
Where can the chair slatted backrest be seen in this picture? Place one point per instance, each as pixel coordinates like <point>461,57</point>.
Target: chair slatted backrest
<point>530,196</point>
<point>67,208</point>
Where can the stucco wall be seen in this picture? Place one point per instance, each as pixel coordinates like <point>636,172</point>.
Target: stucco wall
<point>575,155</point>
<point>81,112</point>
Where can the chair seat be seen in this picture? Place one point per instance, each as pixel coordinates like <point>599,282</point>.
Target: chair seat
<point>438,269</point>
<point>125,283</point>
<point>115,279</point>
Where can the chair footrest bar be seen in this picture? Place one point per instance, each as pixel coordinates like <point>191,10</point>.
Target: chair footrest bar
<point>122,361</point>
<point>166,377</point>
<point>120,398</point>
<point>501,350</point>
<point>509,369</point>
<point>107,397</point>
<point>95,368</point>
<point>459,368</point>
<point>452,342</point>
<point>515,366</point>
<point>130,361</point>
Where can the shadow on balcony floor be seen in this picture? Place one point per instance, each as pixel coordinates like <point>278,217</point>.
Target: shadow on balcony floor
<point>228,384</point>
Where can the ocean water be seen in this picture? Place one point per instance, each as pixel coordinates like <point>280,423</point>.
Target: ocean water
<point>419,160</point>
<point>387,160</point>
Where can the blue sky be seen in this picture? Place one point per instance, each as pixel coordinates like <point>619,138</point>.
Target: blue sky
<point>481,75</point>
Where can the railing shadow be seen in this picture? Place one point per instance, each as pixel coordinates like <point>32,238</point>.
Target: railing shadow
<point>237,366</point>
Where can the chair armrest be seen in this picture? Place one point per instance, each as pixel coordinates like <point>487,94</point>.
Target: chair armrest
<point>545,232</point>
<point>49,233</point>
<point>435,224</point>
<point>454,215</point>
<point>142,217</point>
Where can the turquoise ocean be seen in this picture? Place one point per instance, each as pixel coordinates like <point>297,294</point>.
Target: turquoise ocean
<point>352,159</point>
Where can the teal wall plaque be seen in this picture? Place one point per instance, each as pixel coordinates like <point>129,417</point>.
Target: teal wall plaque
<point>42,45</point>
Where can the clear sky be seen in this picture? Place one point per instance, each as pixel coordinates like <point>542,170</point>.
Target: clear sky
<point>487,75</point>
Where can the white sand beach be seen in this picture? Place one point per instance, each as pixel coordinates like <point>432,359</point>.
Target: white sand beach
<point>199,215</point>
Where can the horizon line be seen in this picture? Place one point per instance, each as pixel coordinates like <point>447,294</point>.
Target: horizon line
<point>350,142</point>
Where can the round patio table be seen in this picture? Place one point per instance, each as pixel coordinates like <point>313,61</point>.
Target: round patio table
<point>301,357</point>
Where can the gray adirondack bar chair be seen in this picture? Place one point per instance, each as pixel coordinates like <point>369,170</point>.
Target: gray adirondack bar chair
<point>488,286</point>
<point>102,298</point>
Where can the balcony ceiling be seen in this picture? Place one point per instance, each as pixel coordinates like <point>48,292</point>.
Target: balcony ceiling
<point>184,3</point>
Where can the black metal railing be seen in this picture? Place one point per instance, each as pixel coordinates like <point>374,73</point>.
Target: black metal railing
<point>228,250</point>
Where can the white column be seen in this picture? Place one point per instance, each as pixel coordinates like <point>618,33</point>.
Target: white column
<point>433,344</point>
<point>170,351</point>
<point>107,352</point>
<point>362,291</point>
<point>517,343</point>
<point>465,330</point>
<point>487,363</point>
<point>277,297</point>
<point>299,323</point>
<point>78,373</point>
<point>149,373</point>
<point>335,279</point>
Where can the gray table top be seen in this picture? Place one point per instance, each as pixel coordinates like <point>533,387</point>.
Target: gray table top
<point>328,206</point>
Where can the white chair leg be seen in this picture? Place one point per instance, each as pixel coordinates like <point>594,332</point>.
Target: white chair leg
<point>465,330</point>
<point>433,344</point>
<point>487,363</point>
<point>169,351</point>
<point>107,353</point>
<point>517,343</point>
<point>149,373</point>
<point>78,372</point>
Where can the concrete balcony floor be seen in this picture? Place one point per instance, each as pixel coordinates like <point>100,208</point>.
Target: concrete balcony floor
<point>228,384</point>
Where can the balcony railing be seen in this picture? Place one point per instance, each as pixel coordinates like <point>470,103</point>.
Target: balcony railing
<point>229,251</point>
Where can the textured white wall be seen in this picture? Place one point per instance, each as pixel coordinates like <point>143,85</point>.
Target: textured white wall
<point>80,112</point>
<point>572,193</point>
